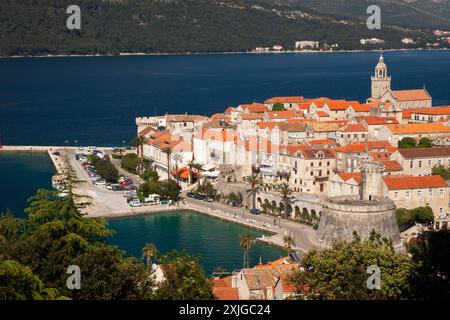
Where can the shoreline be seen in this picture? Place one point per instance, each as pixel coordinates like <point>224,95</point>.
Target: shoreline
<point>264,239</point>
<point>144,54</point>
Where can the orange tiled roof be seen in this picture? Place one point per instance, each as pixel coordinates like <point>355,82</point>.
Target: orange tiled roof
<point>375,120</point>
<point>285,100</point>
<point>409,95</point>
<point>218,116</point>
<point>417,128</point>
<point>362,146</point>
<point>425,152</point>
<point>406,114</point>
<point>288,114</point>
<point>184,117</point>
<point>337,105</point>
<point>361,107</point>
<point>267,124</point>
<point>436,111</point>
<point>391,165</point>
<point>356,127</point>
<point>321,113</point>
<point>252,116</point>
<point>146,130</point>
<point>322,141</point>
<point>349,175</point>
<point>229,110</point>
<point>410,182</point>
<point>254,107</point>
<point>223,290</point>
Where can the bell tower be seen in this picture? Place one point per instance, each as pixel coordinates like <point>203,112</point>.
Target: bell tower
<point>381,82</point>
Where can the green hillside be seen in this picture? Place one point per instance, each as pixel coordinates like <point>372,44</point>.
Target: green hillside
<point>34,27</point>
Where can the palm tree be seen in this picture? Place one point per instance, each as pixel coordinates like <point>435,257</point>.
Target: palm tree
<point>246,243</point>
<point>168,152</point>
<point>191,165</point>
<point>286,193</point>
<point>197,167</point>
<point>255,182</point>
<point>139,142</point>
<point>177,158</point>
<point>149,251</point>
<point>289,243</point>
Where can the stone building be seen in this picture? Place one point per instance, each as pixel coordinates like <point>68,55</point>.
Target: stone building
<point>401,99</point>
<point>369,211</point>
<point>420,161</point>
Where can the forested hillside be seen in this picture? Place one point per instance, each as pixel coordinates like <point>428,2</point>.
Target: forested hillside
<point>417,14</point>
<point>35,27</point>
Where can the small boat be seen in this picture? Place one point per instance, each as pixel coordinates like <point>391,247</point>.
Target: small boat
<point>58,182</point>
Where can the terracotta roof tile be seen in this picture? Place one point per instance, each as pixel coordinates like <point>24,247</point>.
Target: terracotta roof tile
<point>425,152</point>
<point>409,95</point>
<point>350,175</point>
<point>410,182</point>
<point>418,128</point>
<point>285,100</point>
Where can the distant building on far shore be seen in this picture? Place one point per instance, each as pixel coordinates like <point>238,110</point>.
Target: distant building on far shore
<point>277,47</point>
<point>307,44</point>
<point>371,41</point>
<point>408,41</point>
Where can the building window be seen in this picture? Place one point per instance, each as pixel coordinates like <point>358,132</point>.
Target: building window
<point>408,195</point>
<point>419,194</point>
<point>420,164</point>
<point>396,195</point>
<point>411,164</point>
<point>430,193</point>
<point>441,193</point>
<point>312,164</point>
<point>328,163</point>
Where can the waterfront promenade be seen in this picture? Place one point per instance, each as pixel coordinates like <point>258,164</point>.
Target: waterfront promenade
<point>109,204</point>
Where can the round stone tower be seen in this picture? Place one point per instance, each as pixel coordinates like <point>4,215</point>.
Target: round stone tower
<point>344,215</point>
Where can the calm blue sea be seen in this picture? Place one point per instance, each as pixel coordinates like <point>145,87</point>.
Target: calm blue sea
<point>46,101</point>
<point>95,99</point>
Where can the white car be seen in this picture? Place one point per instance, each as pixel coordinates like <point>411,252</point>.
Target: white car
<point>100,182</point>
<point>135,203</point>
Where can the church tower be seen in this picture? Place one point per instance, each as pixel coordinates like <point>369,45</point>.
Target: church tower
<point>381,82</point>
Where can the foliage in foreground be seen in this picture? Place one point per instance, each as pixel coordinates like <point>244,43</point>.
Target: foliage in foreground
<point>35,253</point>
<point>341,272</point>
<point>407,217</point>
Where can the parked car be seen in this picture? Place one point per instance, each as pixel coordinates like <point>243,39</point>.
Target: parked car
<point>135,203</point>
<point>128,193</point>
<point>109,186</point>
<point>199,197</point>
<point>100,182</point>
<point>117,187</point>
<point>190,195</point>
<point>254,211</point>
<point>208,199</point>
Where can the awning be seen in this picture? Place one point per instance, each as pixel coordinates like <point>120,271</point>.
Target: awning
<point>208,167</point>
